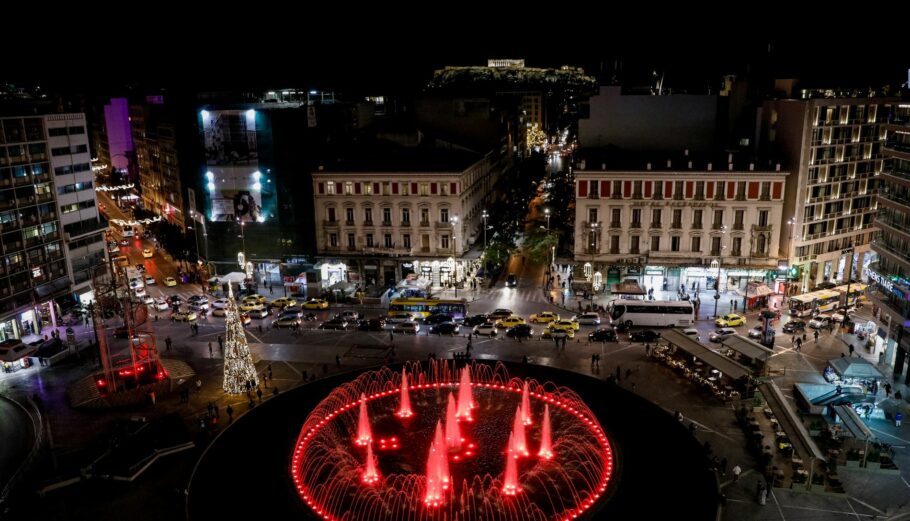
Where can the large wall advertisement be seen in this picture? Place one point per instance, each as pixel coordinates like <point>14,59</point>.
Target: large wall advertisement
<point>237,187</point>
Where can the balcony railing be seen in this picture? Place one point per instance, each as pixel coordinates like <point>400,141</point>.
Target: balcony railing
<point>348,223</point>
<point>424,224</point>
<point>737,226</point>
<point>615,224</point>
<point>655,225</point>
<point>759,228</point>
<point>696,226</point>
<point>676,224</point>
<point>715,253</point>
<point>635,224</point>
<point>716,226</point>
<point>634,251</point>
<point>736,253</point>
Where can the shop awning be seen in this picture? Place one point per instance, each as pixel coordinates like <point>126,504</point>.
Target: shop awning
<point>235,277</point>
<point>748,348</point>
<point>628,287</point>
<point>854,367</point>
<point>853,423</point>
<point>718,361</point>
<point>755,289</point>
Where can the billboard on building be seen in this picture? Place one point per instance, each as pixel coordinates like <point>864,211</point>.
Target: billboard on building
<point>237,186</point>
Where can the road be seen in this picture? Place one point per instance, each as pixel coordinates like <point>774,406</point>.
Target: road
<point>18,437</point>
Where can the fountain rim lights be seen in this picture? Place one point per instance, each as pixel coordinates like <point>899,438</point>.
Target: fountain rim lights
<point>589,422</point>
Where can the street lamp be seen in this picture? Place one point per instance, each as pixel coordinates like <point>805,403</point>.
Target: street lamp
<point>485,216</point>
<point>547,213</point>
<point>790,249</point>
<point>720,253</point>
<point>849,278</point>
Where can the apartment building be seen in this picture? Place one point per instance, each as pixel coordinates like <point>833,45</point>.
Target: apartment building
<point>409,212</point>
<point>834,147</point>
<point>683,222</point>
<point>50,231</point>
<point>889,274</point>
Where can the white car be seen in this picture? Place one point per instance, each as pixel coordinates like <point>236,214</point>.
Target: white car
<point>821,321</point>
<point>135,282</point>
<point>150,281</point>
<point>591,319</point>
<point>487,329</point>
<point>721,334</point>
<point>692,333</point>
<point>140,291</point>
<point>406,327</point>
<point>148,300</point>
<point>838,316</point>
<point>161,304</point>
<point>220,303</point>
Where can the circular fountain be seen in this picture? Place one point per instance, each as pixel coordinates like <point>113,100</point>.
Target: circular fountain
<point>306,454</point>
<point>403,446</point>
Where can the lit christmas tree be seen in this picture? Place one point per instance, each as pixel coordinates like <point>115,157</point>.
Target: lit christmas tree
<point>238,362</point>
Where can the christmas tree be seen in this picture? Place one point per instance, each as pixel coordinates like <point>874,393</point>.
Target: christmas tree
<point>238,362</point>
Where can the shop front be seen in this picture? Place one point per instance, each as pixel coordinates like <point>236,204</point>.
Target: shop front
<point>655,278</point>
<point>334,272</point>
<point>10,329</point>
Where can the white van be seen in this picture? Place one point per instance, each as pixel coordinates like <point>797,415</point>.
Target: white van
<point>591,319</point>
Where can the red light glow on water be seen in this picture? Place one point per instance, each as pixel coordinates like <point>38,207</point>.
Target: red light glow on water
<point>349,462</point>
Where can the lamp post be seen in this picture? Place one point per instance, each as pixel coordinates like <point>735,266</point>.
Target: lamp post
<point>790,249</point>
<point>454,221</point>
<point>720,253</point>
<point>195,231</point>
<point>547,213</point>
<point>849,279</point>
<point>485,216</point>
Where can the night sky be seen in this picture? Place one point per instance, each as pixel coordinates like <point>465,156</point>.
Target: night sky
<point>383,52</point>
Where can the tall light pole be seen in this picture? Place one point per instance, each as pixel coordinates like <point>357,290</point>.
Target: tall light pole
<point>195,231</point>
<point>547,213</point>
<point>849,278</point>
<point>720,252</point>
<point>485,216</point>
<point>790,249</point>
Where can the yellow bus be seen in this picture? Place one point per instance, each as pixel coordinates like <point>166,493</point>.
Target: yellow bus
<point>857,293</point>
<point>428,306</point>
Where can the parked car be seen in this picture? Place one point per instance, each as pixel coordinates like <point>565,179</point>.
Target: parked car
<point>283,302</point>
<point>549,333</point>
<point>839,316</point>
<point>645,335</point>
<point>445,328</point>
<point>692,333</point>
<point>259,313</point>
<point>794,326</point>
<point>591,319</point>
<point>161,304</point>
<point>219,312</point>
<point>721,334</point>
<point>220,303</point>
<point>603,334</point>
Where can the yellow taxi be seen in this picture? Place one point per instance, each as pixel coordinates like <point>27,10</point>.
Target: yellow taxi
<point>255,299</point>
<point>558,333</point>
<point>283,302</point>
<point>565,325</point>
<point>250,305</point>
<point>170,281</point>
<point>730,320</point>
<point>544,318</point>
<point>316,303</point>
<point>512,321</point>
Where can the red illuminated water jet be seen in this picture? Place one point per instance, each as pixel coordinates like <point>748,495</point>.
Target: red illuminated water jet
<point>546,444</point>
<point>370,474</point>
<point>364,434</point>
<point>465,398</point>
<point>519,446</point>
<point>510,480</point>
<point>453,432</point>
<point>526,405</point>
<point>404,407</point>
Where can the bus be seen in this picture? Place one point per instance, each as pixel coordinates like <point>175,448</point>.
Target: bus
<point>815,302</point>
<point>428,306</point>
<point>669,313</point>
<point>857,293</point>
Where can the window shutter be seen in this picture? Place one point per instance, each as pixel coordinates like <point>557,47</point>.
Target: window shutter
<point>434,188</point>
<point>357,188</point>
<point>394,188</point>
<point>582,189</point>
<point>321,188</point>
<point>777,190</point>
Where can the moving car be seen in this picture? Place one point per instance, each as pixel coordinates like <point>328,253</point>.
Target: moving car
<point>438,318</point>
<point>755,332</point>
<point>373,324</point>
<point>592,319</point>
<point>260,312</point>
<point>255,299</point>
<point>730,320</point>
<point>544,317</point>
<point>475,320</point>
<point>184,316</point>
<point>406,327</point>
<point>170,281</point>
<point>283,302</point>
<point>558,333</point>
<point>335,323</point>
<point>486,329</point>
<point>161,304</point>
<point>150,281</point>
<point>565,324</point>
<point>820,322</point>
<point>512,321</point>
<point>603,334</point>
<point>511,281</point>
<point>721,334</point>
<point>500,314</point>
<point>220,303</point>
<point>286,322</point>
<point>316,303</point>
<point>646,335</point>
<point>520,331</point>
<point>794,325</point>
<point>839,317</point>
<point>147,253</point>
<point>445,328</point>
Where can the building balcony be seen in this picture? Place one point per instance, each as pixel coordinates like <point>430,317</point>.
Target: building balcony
<point>615,224</point>
<point>386,224</point>
<point>10,226</point>
<point>717,226</point>
<point>424,249</point>
<point>368,223</point>
<point>592,251</point>
<point>656,226</point>
<point>442,225</point>
<point>23,181</point>
<point>348,223</point>
<point>676,225</point>
<point>614,251</point>
<point>696,226</point>
<point>715,253</point>
<point>634,251</point>
<point>736,253</point>
<point>758,228</point>
<point>333,224</point>
<point>737,226</point>
<point>424,224</point>
<point>760,255</point>
<point>635,225</point>
<point>405,224</point>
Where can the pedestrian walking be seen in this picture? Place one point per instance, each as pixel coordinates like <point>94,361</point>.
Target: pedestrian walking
<point>804,337</point>
<point>593,360</point>
<point>259,394</point>
<point>799,344</point>
<point>736,472</point>
<point>270,371</point>
<point>167,343</point>
<point>230,412</point>
<point>815,334</point>
<point>898,416</point>
<point>647,349</point>
<point>338,360</point>
<point>211,353</point>
<point>220,343</point>
<point>851,349</point>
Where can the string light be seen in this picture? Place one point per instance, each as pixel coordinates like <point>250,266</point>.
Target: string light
<point>238,362</point>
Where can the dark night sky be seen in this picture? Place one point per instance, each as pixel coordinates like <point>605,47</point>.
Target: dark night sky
<point>383,56</point>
